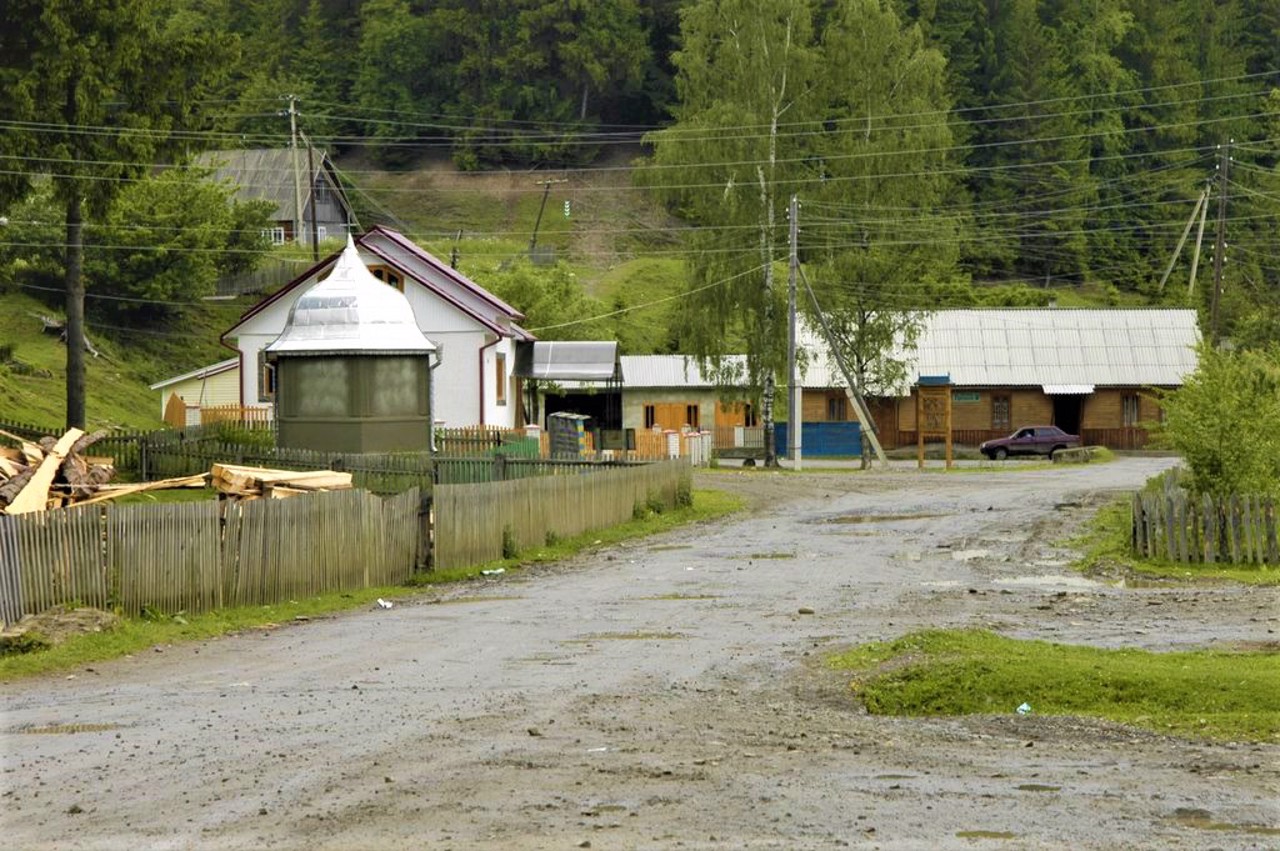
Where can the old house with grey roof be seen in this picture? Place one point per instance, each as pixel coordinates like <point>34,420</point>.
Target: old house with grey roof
<point>300,182</point>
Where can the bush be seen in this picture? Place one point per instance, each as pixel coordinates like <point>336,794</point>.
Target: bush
<point>1225,422</point>
<point>684,492</point>
<point>509,547</point>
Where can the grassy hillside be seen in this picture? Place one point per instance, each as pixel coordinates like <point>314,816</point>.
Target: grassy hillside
<point>610,222</point>
<point>32,374</point>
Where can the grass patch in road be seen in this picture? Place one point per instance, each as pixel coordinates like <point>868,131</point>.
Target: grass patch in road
<point>1106,550</point>
<point>1205,694</point>
<point>135,635</point>
<point>707,505</point>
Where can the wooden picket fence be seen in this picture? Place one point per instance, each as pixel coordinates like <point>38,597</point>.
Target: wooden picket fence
<point>472,522</point>
<point>1176,526</point>
<point>201,556</point>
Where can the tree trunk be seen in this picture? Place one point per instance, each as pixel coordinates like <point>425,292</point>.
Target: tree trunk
<point>75,310</point>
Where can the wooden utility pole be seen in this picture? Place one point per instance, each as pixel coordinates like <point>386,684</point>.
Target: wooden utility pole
<point>546,190</point>
<point>1195,211</point>
<point>297,168</point>
<point>1220,241</point>
<point>311,197</point>
<point>795,427</point>
<point>851,388</point>
<point>1195,256</point>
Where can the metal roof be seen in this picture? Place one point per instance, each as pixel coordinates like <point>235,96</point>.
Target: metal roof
<point>575,361</point>
<point>1039,347</point>
<point>673,371</point>
<point>351,312</point>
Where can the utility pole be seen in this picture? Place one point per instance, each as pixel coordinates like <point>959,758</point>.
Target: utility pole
<point>851,388</point>
<point>311,198</point>
<point>796,404</point>
<point>1195,211</point>
<point>297,167</point>
<point>1220,243</point>
<point>546,190</point>
<point>1195,257</point>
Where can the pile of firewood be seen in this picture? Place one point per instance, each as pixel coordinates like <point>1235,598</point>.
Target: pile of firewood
<point>239,482</point>
<point>53,472</point>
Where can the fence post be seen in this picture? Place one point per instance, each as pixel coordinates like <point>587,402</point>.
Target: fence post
<point>425,529</point>
<point>499,467</point>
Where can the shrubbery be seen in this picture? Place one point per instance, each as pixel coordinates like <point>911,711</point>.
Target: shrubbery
<point>1225,422</point>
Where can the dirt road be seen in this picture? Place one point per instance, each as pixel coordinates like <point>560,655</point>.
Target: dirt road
<point>667,694</point>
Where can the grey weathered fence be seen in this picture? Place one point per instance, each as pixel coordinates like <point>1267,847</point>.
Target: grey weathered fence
<point>1176,526</point>
<point>472,520</point>
<point>205,555</point>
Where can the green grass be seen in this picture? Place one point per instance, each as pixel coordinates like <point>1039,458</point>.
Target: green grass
<point>1106,550</point>
<point>1209,694</point>
<point>135,634</point>
<point>707,505</point>
<point>118,391</point>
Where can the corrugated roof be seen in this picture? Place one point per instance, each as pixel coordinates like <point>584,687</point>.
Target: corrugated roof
<point>672,371</point>
<point>1036,347</point>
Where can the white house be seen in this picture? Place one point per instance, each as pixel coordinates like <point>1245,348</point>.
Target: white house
<point>475,332</point>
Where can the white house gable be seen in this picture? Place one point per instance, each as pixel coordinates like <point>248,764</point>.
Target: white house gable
<point>472,329</point>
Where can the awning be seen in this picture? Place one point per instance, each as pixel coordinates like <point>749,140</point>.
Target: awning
<point>1067,389</point>
<point>577,360</point>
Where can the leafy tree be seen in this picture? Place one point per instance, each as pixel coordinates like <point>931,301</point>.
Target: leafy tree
<point>1223,422</point>
<point>94,90</point>
<point>552,298</point>
<point>747,73</point>
<point>879,244</point>
<point>168,238</point>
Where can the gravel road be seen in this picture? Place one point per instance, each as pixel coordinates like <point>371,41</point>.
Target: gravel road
<point>664,694</point>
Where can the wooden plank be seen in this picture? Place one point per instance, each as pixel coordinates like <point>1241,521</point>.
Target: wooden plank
<point>106,492</point>
<point>1272,533</point>
<point>33,496</point>
<point>1210,518</point>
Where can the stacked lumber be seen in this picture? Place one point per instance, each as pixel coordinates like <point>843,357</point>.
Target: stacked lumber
<point>240,482</point>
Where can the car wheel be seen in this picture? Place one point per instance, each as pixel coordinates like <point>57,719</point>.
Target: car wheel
<point>1000,454</point>
<point>1054,451</point>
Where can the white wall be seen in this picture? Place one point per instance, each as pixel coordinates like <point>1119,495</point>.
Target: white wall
<point>495,414</point>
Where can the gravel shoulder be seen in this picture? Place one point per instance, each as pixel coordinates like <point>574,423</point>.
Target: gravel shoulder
<point>665,694</point>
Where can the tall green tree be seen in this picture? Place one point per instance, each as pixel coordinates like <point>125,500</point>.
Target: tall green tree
<point>747,76</point>
<point>883,234</point>
<point>94,92</point>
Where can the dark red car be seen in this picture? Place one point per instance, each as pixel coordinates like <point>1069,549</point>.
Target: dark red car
<point>1031,440</point>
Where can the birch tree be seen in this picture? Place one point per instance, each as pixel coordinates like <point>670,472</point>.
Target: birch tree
<point>745,79</point>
